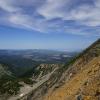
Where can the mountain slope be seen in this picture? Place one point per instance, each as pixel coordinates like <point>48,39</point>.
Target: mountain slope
<point>82,78</point>
<point>74,80</point>
<point>85,83</point>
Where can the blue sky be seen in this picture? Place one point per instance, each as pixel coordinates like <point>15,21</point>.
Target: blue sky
<point>49,24</point>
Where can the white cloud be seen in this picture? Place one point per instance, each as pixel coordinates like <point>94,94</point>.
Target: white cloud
<point>15,16</point>
<point>22,20</point>
<point>86,15</point>
<point>7,5</point>
<point>26,22</point>
<point>53,9</point>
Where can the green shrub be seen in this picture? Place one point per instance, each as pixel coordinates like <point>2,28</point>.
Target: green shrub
<point>9,85</point>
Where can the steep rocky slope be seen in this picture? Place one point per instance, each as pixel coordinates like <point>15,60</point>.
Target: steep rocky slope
<point>82,78</point>
<point>12,88</point>
<point>76,80</point>
<point>84,85</point>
